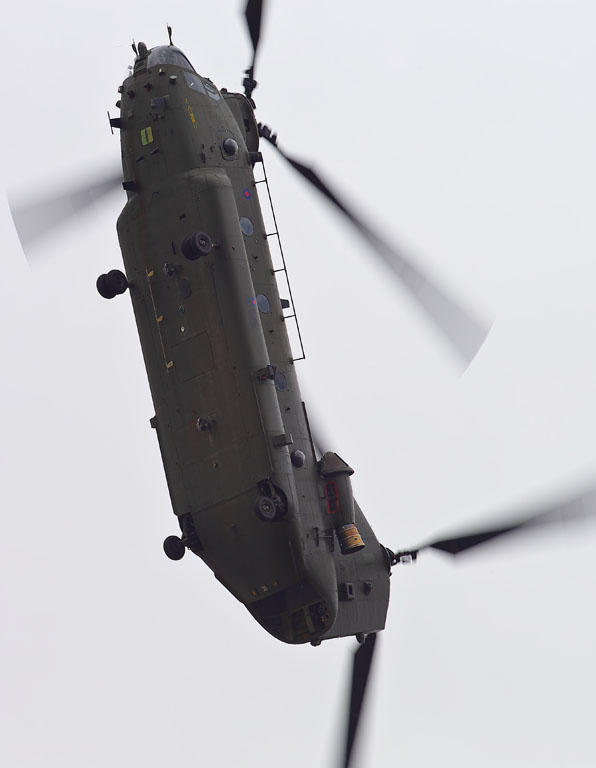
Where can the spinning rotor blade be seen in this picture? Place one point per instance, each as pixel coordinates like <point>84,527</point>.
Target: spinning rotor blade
<point>463,332</point>
<point>253,13</point>
<point>360,673</point>
<point>578,507</point>
<point>34,219</point>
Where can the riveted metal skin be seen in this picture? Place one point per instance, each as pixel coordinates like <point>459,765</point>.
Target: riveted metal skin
<point>203,352</point>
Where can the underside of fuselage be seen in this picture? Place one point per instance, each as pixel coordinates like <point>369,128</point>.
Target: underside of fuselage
<point>359,606</point>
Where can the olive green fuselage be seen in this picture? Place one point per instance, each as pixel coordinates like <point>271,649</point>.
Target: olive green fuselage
<point>228,412</point>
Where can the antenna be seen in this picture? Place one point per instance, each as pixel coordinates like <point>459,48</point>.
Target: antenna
<point>170,33</point>
<point>134,47</point>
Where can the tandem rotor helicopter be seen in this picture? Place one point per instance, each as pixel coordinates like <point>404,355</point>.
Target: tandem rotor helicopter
<point>271,514</point>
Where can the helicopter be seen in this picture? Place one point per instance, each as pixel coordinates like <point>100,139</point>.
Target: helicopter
<point>207,426</point>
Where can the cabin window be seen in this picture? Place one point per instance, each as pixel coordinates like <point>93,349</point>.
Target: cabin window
<point>263,302</point>
<point>230,147</point>
<point>246,226</point>
<point>212,91</point>
<point>280,381</point>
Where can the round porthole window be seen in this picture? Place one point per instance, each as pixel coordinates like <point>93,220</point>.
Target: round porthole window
<point>263,302</point>
<point>281,382</point>
<point>298,459</point>
<point>246,226</point>
<point>230,147</point>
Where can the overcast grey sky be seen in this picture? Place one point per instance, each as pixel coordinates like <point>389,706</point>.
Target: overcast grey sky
<point>466,130</point>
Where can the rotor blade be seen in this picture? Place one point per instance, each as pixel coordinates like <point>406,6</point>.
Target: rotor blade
<point>320,438</point>
<point>464,332</point>
<point>360,673</point>
<point>254,12</point>
<point>582,505</point>
<point>35,218</point>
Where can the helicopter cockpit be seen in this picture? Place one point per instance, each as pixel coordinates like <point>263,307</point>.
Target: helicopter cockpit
<point>168,54</point>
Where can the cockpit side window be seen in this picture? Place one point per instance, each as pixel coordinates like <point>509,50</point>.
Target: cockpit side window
<point>194,81</point>
<point>168,54</point>
<point>202,85</point>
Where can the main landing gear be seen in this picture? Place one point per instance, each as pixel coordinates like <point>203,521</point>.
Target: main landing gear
<point>265,508</point>
<point>174,547</point>
<point>112,284</point>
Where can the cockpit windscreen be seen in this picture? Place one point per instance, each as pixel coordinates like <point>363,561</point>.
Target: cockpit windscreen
<point>168,54</point>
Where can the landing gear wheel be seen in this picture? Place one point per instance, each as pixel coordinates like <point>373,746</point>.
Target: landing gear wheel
<point>265,508</point>
<point>112,284</point>
<point>174,548</point>
<point>103,288</point>
<point>117,281</point>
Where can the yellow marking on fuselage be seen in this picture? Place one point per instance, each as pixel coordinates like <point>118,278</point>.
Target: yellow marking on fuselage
<point>146,136</point>
<point>191,114</point>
